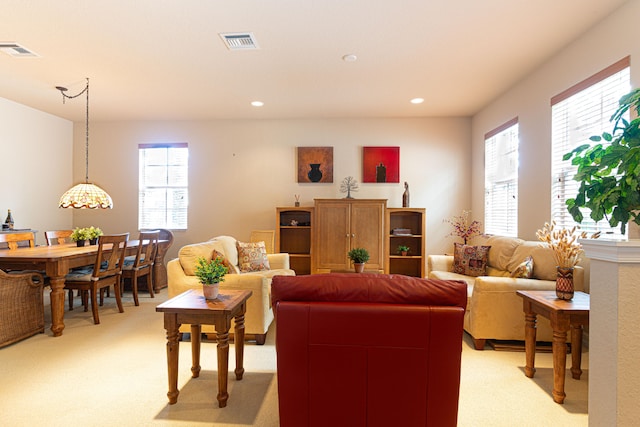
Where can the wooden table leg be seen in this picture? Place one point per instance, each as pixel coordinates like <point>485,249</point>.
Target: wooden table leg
<point>171,325</point>
<point>196,338</point>
<point>530,320</point>
<point>560,326</point>
<point>57,305</point>
<point>576,351</point>
<point>223,367</point>
<point>239,343</point>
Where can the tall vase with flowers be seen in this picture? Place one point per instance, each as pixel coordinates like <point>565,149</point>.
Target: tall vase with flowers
<point>567,251</point>
<point>462,227</point>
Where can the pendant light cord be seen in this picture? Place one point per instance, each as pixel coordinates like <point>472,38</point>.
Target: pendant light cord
<point>64,98</point>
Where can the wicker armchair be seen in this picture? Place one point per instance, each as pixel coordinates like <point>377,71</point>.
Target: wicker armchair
<point>21,306</point>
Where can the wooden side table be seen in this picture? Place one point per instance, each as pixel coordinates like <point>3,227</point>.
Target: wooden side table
<point>564,315</point>
<point>191,307</point>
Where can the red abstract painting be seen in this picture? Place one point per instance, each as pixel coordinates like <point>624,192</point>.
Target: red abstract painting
<point>380,164</point>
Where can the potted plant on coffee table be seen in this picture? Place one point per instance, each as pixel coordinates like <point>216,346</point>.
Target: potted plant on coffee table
<point>403,250</point>
<point>359,256</point>
<point>210,273</point>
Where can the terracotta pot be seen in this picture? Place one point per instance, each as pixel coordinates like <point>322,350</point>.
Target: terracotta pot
<point>211,291</point>
<point>403,253</point>
<point>358,267</point>
<point>564,283</point>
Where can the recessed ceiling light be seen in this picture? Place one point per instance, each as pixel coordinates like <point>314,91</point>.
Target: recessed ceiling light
<point>257,103</point>
<point>417,100</point>
<point>350,58</point>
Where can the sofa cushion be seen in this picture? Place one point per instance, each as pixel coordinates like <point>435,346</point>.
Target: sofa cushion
<point>524,270</point>
<point>502,249</point>
<point>232,269</point>
<point>228,245</point>
<point>470,260</point>
<point>189,254</point>
<point>543,260</point>
<point>252,256</point>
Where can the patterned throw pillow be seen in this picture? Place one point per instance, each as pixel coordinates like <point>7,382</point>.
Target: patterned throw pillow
<point>524,270</point>
<point>470,260</point>
<point>252,257</point>
<point>225,261</point>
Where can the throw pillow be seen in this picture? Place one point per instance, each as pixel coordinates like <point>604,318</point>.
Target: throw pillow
<point>225,261</point>
<point>470,260</point>
<point>524,270</point>
<point>252,257</point>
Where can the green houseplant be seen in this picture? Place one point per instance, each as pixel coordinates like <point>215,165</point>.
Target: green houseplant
<point>210,273</point>
<point>80,236</point>
<point>609,176</point>
<point>359,256</point>
<point>403,249</point>
<point>93,233</point>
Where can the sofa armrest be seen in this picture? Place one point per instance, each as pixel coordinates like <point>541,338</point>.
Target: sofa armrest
<point>440,262</point>
<point>279,261</point>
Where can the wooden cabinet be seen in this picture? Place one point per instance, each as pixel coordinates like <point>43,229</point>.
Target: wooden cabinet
<point>406,226</point>
<point>343,224</point>
<point>293,236</point>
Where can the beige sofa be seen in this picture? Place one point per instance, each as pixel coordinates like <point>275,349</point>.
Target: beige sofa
<point>259,315</point>
<point>494,311</point>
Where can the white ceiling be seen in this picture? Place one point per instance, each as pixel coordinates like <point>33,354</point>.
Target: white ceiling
<point>164,59</point>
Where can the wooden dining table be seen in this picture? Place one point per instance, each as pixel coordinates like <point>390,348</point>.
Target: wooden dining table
<point>55,261</point>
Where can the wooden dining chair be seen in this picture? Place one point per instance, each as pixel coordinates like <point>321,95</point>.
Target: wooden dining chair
<point>106,272</point>
<point>141,265</point>
<point>13,240</point>
<point>58,237</point>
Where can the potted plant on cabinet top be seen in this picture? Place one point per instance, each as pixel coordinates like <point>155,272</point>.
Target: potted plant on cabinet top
<point>80,236</point>
<point>403,249</point>
<point>210,273</point>
<point>359,256</point>
<point>609,176</point>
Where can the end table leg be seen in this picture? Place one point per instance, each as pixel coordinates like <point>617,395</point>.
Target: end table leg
<point>239,343</point>
<point>171,325</point>
<point>559,348</point>
<point>195,350</point>
<point>576,351</point>
<point>223,367</point>
<point>530,343</point>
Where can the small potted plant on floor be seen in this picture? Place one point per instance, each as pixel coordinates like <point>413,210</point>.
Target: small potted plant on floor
<point>403,250</point>
<point>80,236</point>
<point>359,256</point>
<point>210,273</point>
<point>93,233</point>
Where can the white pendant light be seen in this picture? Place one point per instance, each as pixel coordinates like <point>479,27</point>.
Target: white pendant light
<point>85,195</point>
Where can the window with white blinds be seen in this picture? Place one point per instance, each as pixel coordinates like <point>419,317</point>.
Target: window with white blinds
<point>577,114</point>
<point>163,186</point>
<point>501,180</point>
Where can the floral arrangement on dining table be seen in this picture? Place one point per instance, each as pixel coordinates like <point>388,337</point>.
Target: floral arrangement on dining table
<point>462,227</point>
<point>567,250</point>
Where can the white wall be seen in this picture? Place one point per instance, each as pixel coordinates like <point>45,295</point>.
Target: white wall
<point>241,170</point>
<point>609,41</point>
<point>36,150</point>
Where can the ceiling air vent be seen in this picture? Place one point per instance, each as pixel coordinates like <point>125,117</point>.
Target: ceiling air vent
<point>15,50</point>
<point>239,41</point>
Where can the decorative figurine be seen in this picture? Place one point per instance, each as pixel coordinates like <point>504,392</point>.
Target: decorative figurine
<point>348,185</point>
<point>405,196</point>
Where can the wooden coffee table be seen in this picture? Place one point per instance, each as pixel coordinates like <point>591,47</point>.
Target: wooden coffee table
<point>191,307</point>
<point>564,315</point>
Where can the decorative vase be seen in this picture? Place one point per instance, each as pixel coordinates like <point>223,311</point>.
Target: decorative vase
<point>358,267</point>
<point>211,291</point>
<point>80,243</point>
<point>564,283</point>
<point>315,174</point>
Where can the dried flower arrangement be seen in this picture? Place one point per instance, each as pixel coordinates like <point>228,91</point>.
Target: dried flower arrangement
<point>566,248</point>
<point>462,227</point>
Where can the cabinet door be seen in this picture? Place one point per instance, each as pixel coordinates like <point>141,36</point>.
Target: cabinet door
<point>332,236</point>
<point>367,230</point>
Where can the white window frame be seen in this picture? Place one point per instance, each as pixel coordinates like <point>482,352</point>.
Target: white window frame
<point>501,180</point>
<point>578,113</point>
<point>163,186</point>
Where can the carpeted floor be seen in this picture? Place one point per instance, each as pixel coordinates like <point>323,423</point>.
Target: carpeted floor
<point>114,374</point>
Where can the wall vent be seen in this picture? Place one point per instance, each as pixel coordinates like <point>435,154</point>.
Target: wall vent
<point>239,41</point>
<point>16,50</point>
